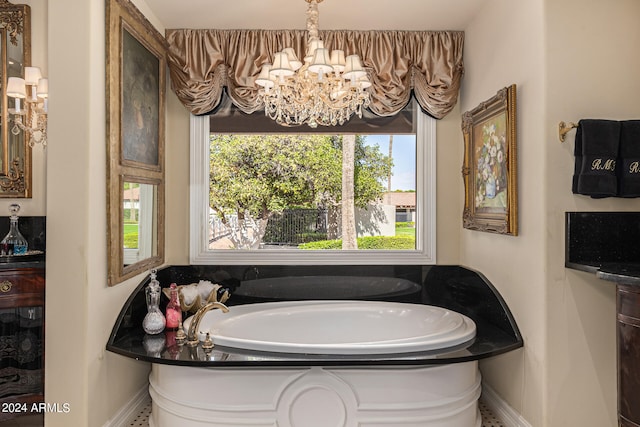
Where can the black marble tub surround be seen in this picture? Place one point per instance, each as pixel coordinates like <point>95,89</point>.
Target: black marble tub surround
<point>453,287</point>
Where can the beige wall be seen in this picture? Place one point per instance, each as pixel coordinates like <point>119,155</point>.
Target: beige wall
<point>80,308</point>
<point>504,46</point>
<point>592,67</point>
<point>565,375</point>
<point>177,210</point>
<point>561,54</point>
<point>449,198</point>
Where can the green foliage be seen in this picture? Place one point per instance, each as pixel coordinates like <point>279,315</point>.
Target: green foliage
<point>406,231</point>
<point>130,236</point>
<point>130,227</point>
<point>312,237</point>
<point>408,224</point>
<point>370,242</point>
<point>127,215</point>
<point>371,166</point>
<point>322,244</point>
<point>262,174</point>
<point>131,240</point>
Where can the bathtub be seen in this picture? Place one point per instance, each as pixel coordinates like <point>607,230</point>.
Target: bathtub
<point>408,360</point>
<point>438,396</point>
<point>434,396</point>
<point>337,327</point>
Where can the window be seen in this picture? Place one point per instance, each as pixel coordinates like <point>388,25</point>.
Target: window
<point>208,244</point>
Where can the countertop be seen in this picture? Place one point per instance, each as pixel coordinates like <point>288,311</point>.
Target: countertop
<point>30,260</point>
<point>623,273</point>
<point>604,243</point>
<point>453,287</point>
<point>626,274</point>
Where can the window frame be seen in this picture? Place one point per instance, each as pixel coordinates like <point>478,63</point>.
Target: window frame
<point>425,253</point>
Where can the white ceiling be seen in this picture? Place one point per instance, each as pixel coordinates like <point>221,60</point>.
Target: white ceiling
<point>334,14</point>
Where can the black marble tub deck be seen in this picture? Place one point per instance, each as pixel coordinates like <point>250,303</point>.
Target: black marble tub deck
<point>452,287</point>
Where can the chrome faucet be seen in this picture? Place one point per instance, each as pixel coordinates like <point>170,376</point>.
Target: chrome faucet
<point>192,335</point>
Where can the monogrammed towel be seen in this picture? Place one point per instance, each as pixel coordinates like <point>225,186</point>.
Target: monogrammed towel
<point>629,159</point>
<point>577,153</point>
<point>597,143</point>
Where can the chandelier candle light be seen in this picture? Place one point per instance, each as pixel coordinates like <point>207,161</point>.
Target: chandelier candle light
<point>34,89</point>
<point>326,90</point>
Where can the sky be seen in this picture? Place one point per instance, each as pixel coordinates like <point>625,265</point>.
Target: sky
<point>404,159</point>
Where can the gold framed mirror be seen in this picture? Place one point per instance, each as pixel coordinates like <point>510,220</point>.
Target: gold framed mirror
<point>139,225</point>
<point>136,63</point>
<point>15,54</point>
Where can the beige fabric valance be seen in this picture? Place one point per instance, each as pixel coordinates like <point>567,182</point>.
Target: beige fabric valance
<point>429,63</point>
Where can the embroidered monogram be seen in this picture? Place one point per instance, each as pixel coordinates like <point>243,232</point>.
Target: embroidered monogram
<point>602,165</point>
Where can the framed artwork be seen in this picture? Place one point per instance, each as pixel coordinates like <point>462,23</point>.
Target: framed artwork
<point>490,163</point>
<point>136,62</point>
<point>135,97</point>
<point>140,102</point>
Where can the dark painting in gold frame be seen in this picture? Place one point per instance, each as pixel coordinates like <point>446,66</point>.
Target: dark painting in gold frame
<point>135,97</point>
<point>490,165</point>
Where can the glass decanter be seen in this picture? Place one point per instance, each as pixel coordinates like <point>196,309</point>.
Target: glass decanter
<point>154,321</point>
<point>14,242</point>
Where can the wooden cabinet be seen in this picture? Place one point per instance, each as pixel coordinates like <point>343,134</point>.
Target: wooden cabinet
<point>21,340</point>
<point>628,329</point>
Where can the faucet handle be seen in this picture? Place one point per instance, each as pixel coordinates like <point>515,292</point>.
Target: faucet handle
<point>207,345</point>
<point>181,337</point>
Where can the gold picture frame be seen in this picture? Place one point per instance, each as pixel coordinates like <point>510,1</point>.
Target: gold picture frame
<point>135,101</point>
<point>15,55</point>
<point>490,165</point>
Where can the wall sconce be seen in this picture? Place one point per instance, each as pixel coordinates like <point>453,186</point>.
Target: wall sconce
<point>34,89</point>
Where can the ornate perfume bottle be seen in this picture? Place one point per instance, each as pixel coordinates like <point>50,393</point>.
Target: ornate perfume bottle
<point>173,311</point>
<point>154,321</point>
<point>14,242</point>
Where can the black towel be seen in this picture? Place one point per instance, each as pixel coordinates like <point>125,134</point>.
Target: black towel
<point>599,141</point>
<point>577,152</point>
<point>629,160</point>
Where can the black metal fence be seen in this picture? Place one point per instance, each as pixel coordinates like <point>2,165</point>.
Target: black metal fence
<point>296,226</point>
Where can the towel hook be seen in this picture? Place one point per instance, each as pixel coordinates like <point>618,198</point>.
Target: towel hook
<point>564,128</point>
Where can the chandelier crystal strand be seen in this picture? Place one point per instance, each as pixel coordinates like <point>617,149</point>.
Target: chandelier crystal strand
<point>34,91</point>
<point>326,90</point>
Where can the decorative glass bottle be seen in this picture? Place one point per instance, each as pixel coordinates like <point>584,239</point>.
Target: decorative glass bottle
<point>14,242</point>
<point>154,320</point>
<point>173,311</point>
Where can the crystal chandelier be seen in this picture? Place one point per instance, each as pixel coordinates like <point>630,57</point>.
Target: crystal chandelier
<point>34,89</point>
<point>326,90</point>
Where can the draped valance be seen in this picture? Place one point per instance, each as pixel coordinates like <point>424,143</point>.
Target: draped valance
<point>428,63</point>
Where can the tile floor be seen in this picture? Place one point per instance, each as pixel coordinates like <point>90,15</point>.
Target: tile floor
<point>142,419</point>
<point>488,418</point>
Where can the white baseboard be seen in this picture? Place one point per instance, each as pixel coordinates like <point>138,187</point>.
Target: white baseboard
<point>501,409</point>
<point>128,411</point>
